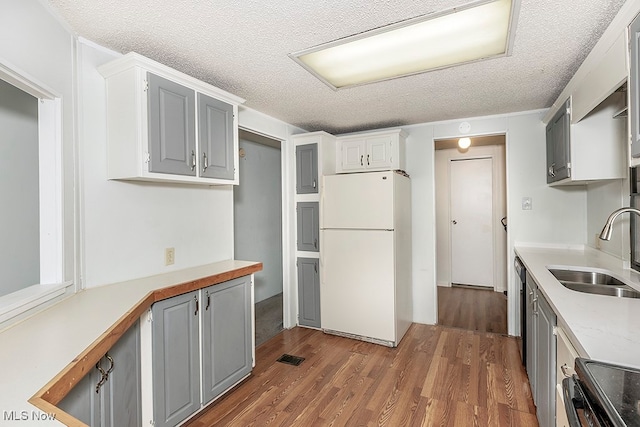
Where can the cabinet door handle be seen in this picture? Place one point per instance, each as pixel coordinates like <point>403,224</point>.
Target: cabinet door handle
<point>193,160</point>
<point>208,301</point>
<point>314,183</point>
<point>368,160</point>
<point>361,163</point>
<point>111,364</point>
<point>315,267</point>
<point>197,305</point>
<point>315,243</point>
<point>205,162</point>
<point>565,370</point>
<point>552,170</point>
<point>103,376</point>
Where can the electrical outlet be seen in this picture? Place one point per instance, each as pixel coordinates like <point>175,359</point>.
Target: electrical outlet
<point>169,256</point>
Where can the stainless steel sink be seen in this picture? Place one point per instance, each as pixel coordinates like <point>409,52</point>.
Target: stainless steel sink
<point>594,282</point>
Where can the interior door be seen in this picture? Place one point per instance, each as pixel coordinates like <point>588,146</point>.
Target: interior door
<point>471,182</point>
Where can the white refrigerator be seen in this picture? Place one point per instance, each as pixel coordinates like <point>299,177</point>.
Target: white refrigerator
<point>365,256</point>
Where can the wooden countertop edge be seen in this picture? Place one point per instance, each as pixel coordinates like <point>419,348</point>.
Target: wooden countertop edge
<point>55,390</point>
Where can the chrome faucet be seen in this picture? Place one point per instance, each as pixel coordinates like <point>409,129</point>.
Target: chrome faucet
<point>605,234</point>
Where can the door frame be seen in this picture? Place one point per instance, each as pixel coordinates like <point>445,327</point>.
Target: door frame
<point>500,190</point>
<point>286,175</point>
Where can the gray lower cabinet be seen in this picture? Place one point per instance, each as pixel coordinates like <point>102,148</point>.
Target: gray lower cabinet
<point>172,127</point>
<point>546,364</point>
<point>541,353</point>
<point>226,336</point>
<point>307,169</point>
<point>215,136</point>
<point>308,292</point>
<point>202,345</point>
<point>308,226</point>
<point>116,400</point>
<point>176,359</point>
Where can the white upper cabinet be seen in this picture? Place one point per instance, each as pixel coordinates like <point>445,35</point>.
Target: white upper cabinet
<point>163,125</point>
<point>374,151</point>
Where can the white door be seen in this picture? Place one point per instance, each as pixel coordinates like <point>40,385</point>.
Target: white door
<point>379,152</point>
<point>353,154</point>
<point>471,182</point>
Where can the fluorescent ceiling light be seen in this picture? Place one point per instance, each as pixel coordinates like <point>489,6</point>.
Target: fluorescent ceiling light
<point>479,30</point>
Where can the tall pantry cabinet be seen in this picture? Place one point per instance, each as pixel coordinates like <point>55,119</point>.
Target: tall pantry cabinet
<point>315,156</point>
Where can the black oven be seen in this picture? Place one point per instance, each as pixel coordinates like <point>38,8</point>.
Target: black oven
<point>602,394</point>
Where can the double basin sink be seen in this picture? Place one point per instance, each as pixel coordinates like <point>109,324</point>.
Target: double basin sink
<point>593,282</point>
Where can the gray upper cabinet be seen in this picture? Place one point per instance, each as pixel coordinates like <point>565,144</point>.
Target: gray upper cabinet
<point>176,359</point>
<point>307,168</point>
<point>215,135</point>
<point>559,145</point>
<point>308,226</point>
<point>226,336</point>
<point>112,399</point>
<point>166,126</point>
<point>308,292</point>
<point>172,136</point>
<point>634,89</point>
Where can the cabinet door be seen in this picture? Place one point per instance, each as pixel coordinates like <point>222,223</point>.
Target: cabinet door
<point>121,400</point>
<point>530,326</point>
<point>634,86</point>
<point>379,152</point>
<point>353,154</point>
<point>559,146</point>
<point>546,369</point>
<point>176,357</point>
<point>307,169</point>
<point>172,126</point>
<point>215,136</point>
<point>308,226</point>
<point>82,402</point>
<point>226,336</point>
<point>308,292</point>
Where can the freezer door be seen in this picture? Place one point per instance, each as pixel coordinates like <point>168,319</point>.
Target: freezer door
<point>358,201</point>
<point>357,290</point>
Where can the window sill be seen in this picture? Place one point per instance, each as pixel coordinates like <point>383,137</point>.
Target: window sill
<point>25,300</point>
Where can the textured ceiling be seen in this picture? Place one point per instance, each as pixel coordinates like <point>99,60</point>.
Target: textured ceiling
<point>242,47</point>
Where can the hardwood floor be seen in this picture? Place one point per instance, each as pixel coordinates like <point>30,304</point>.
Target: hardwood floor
<point>472,309</point>
<point>437,376</point>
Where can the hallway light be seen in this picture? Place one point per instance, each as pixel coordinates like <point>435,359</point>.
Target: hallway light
<point>464,143</point>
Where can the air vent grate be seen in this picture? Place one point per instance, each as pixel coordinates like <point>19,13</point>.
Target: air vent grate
<point>290,360</point>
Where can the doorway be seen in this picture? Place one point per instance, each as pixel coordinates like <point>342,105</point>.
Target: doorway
<point>471,249</point>
<point>258,226</point>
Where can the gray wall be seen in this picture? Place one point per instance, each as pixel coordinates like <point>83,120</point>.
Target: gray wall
<point>19,194</point>
<point>258,215</point>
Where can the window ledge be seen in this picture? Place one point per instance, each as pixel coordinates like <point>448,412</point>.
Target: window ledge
<point>19,302</point>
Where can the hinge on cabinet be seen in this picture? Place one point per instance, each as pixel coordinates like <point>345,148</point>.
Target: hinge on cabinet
<point>147,157</point>
<point>555,330</point>
<point>150,318</point>
<point>146,86</point>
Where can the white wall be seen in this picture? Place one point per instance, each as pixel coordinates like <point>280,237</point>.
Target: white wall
<point>443,225</point>
<point>558,215</point>
<point>258,215</point>
<point>128,225</point>
<point>19,215</point>
<point>602,199</point>
<point>35,44</point>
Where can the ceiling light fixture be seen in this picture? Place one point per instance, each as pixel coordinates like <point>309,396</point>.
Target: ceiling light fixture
<point>464,143</point>
<point>475,31</point>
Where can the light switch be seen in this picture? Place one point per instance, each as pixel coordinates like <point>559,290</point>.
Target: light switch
<point>526,204</point>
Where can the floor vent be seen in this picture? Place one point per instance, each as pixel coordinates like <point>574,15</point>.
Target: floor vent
<point>290,360</point>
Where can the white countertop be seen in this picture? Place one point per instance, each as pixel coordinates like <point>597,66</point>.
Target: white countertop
<point>35,350</point>
<point>601,327</point>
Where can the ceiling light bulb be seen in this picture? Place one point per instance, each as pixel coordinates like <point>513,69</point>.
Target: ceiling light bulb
<point>464,143</point>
